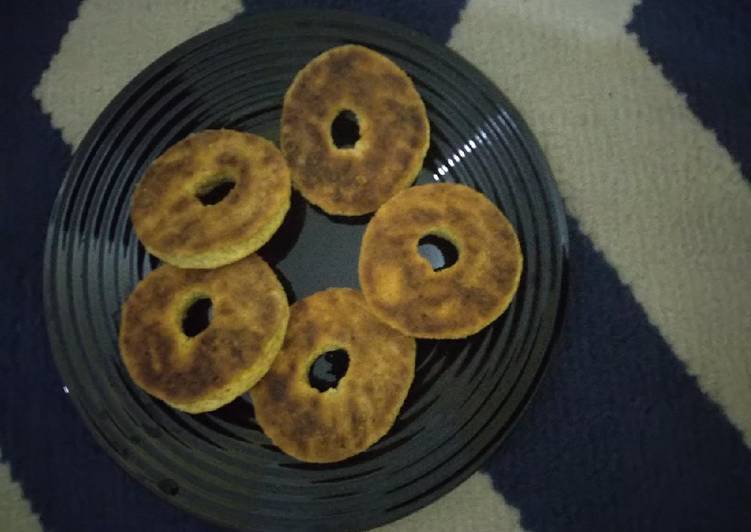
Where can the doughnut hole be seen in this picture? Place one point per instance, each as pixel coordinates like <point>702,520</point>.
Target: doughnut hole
<point>345,130</point>
<point>197,316</point>
<point>440,252</point>
<point>215,190</point>
<point>328,369</point>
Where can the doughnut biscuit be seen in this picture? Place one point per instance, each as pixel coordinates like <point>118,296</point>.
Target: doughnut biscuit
<point>401,286</point>
<point>340,422</point>
<point>203,372</point>
<point>173,214</point>
<point>393,127</point>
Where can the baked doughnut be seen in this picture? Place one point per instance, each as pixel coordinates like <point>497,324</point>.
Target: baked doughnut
<point>340,422</point>
<point>401,286</point>
<point>393,130</point>
<point>173,210</point>
<point>213,367</point>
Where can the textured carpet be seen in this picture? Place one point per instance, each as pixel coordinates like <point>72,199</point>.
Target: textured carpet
<point>643,421</point>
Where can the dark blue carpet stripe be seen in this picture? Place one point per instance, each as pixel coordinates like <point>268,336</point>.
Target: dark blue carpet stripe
<point>704,50</point>
<point>619,436</point>
<point>426,16</point>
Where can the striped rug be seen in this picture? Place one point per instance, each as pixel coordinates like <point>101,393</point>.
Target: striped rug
<point>643,421</point>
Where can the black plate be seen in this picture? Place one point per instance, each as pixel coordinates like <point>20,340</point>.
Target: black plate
<point>220,466</point>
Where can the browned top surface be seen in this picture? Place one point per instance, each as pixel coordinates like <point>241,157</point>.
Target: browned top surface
<point>249,307</point>
<point>172,222</point>
<point>400,284</point>
<point>394,130</point>
<point>340,422</point>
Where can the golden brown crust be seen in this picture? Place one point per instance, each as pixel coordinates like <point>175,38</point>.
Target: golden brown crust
<point>173,223</point>
<point>401,286</point>
<point>333,425</point>
<point>250,313</point>
<point>394,130</point>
